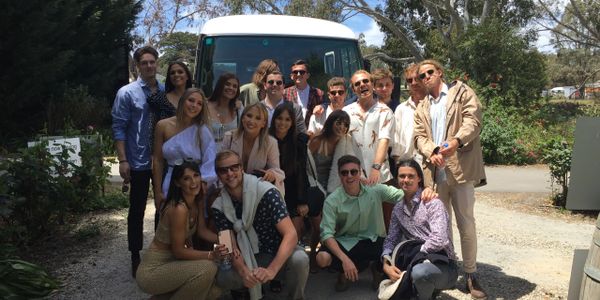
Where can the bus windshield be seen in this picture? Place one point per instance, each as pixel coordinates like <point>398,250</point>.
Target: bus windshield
<point>326,57</point>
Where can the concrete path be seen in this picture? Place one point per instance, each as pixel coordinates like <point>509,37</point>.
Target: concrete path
<point>517,179</point>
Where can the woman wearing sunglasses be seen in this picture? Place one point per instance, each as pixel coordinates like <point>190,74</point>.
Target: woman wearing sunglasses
<point>184,136</point>
<point>258,150</point>
<point>171,267</point>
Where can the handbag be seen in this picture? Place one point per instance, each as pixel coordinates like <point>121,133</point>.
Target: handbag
<point>406,255</point>
<point>315,193</point>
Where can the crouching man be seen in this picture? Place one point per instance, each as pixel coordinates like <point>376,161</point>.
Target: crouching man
<point>265,236</point>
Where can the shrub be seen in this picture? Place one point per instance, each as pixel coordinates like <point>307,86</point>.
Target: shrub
<point>501,137</point>
<point>39,189</point>
<point>558,158</point>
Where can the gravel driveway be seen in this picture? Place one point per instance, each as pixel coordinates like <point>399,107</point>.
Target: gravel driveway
<point>525,252</point>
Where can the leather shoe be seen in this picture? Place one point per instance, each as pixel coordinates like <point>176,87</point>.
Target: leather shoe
<point>135,263</point>
<point>342,283</point>
<point>474,288</point>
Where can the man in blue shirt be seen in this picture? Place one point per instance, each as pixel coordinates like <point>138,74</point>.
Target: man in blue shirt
<point>131,133</point>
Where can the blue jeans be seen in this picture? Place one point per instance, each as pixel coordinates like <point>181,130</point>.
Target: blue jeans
<point>428,277</point>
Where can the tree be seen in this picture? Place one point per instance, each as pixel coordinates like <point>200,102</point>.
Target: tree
<point>160,18</point>
<point>50,48</point>
<point>575,26</point>
<point>179,46</point>
<point>412,23</point>
<point>332,10</point>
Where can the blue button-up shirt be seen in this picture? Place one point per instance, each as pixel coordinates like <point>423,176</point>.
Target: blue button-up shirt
<point>131,123</point>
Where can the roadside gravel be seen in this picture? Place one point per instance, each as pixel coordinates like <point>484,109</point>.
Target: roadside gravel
<point>525,252</point>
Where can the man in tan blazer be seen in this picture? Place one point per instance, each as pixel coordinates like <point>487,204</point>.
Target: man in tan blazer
<point>447,128</point>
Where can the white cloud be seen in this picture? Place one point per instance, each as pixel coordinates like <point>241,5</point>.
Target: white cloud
<point>373,34</point>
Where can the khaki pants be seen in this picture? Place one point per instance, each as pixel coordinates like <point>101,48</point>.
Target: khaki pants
<point>460,198</point>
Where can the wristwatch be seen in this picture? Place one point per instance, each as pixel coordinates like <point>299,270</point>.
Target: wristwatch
<point>376,166</point>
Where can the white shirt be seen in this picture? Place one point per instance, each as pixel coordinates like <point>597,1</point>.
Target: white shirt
<point>376,124</point>
<point>437,111</point>
<point>271,110</point>
<point>303,98</point>
<point>403,145</point>
<point>316,123</point>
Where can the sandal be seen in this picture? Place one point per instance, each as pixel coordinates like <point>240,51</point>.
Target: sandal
<point>275,286</point>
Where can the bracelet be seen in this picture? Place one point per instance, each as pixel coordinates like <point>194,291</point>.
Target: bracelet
<point>122,161</point>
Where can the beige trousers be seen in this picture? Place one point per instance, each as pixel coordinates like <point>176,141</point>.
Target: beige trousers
<point>460,198</point>
<point>162,274</point>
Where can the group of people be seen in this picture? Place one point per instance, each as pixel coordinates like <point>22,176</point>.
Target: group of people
<point>250,159</point>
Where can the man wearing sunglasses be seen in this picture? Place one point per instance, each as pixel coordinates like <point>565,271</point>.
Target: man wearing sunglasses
<point>301,92</point>
<point>274,89</point>
<point>372,126</point>
<point>266,240</point>
<point>337,95</point>
<point>447,129</point>
<point>403,147</point>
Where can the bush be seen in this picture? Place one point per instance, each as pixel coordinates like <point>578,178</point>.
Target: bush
<point>501,138</point>
<point>39,189</point>
<point>558,158</point>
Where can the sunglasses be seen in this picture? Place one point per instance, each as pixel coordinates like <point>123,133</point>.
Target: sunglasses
<point>335,93</point>
<point>298,72</point>
<point>410,80</point>
<point>423,75</point>
<point>365,81</point>
<point>352,172</point>
<point>227,169</point>
<point>276,82</point>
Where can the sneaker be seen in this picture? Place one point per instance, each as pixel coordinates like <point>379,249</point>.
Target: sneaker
<point>474,288</point>
<point>377,276</point>
<point>342,283</point>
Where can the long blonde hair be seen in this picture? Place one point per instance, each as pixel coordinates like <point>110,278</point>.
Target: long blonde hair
<point>201,119</point>
<point>263,135</point>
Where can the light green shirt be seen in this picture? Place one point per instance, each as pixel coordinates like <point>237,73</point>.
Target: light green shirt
<point>350,219</point>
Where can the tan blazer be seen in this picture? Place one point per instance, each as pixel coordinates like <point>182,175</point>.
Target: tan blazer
<point>463,121</point>
<point>267,159</point>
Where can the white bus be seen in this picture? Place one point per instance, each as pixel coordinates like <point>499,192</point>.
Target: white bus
<point>237,44</point>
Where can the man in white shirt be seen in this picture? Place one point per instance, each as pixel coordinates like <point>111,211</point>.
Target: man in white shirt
<point>447,133</point>
<point>301,93</point>
<point>403,147</point>
<point>337,96</point>
<point>372,126</point>
<point>274,91</point>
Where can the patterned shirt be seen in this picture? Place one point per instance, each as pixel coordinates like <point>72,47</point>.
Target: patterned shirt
<point>269,212</point>
<point>376,124</point>
<point>425,221</point>
<point>350,219</point>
